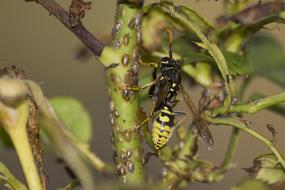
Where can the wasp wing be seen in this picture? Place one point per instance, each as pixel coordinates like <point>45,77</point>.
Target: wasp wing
<point>159,91</point>
<point>199,121</point>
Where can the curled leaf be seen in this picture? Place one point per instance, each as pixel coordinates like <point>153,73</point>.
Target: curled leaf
<point>267,169</point>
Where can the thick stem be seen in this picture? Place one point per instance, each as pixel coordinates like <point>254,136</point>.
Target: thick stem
<point>88,39</point>
<point>124,102</point>
<point>19,137</point>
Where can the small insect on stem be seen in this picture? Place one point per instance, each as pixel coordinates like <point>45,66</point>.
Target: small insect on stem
<point>273,132</point>
<point>77,11</point>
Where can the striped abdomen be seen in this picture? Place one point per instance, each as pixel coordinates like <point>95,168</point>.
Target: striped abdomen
<point>163,127</point>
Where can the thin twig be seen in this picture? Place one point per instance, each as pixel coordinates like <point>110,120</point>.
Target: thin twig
<point>240,125</point>
<point>259,104</point>
<point>88,39</point>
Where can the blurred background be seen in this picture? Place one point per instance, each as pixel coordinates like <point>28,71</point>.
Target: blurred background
<point>35,41</point>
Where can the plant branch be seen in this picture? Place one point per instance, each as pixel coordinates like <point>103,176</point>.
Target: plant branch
<point>259,104</point>
<point>88,39</point>
<point>240,125</point>
<point>124,103</point>
<point>231,150</point>
<point>21,143</point>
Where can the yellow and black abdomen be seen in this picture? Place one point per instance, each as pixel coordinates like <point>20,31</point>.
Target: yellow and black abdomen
<point>163,127</point>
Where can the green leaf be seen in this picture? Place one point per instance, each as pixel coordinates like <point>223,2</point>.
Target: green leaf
<point>238,65</point>
<point>266,168</point>
<point>268,58</point>
<point>74,116</point>
<point>202,23</point>
<point>10,181</point>
<point>250,184</point>
<point>5,141</point>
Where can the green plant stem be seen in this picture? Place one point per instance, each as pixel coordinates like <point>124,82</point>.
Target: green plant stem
<point>21,143</point>
<point>230,150</point>
<point>235,133</point>
<point>259,104</point>
<point>240,125</point>
<point>124,103</point>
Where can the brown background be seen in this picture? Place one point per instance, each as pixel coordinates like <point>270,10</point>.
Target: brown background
<point>38,43</point>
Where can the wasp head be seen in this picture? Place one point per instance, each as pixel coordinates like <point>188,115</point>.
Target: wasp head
<point>168,62</point>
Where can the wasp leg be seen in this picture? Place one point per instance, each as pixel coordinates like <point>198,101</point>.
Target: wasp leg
<point>141,124</point>
<point>136,88</point>
<point>174,102</point>
<point>181,114</point>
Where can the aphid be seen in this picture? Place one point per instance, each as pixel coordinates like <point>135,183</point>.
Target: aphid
<point>77,11</point>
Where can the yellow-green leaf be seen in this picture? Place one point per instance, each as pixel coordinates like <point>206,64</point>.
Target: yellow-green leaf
<point>266,168</point>
<point>74,116</point>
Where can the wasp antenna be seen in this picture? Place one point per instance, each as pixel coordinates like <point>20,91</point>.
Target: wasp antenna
<point>170,37</point>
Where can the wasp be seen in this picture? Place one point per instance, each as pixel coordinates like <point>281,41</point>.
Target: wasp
<point>164,90</point>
